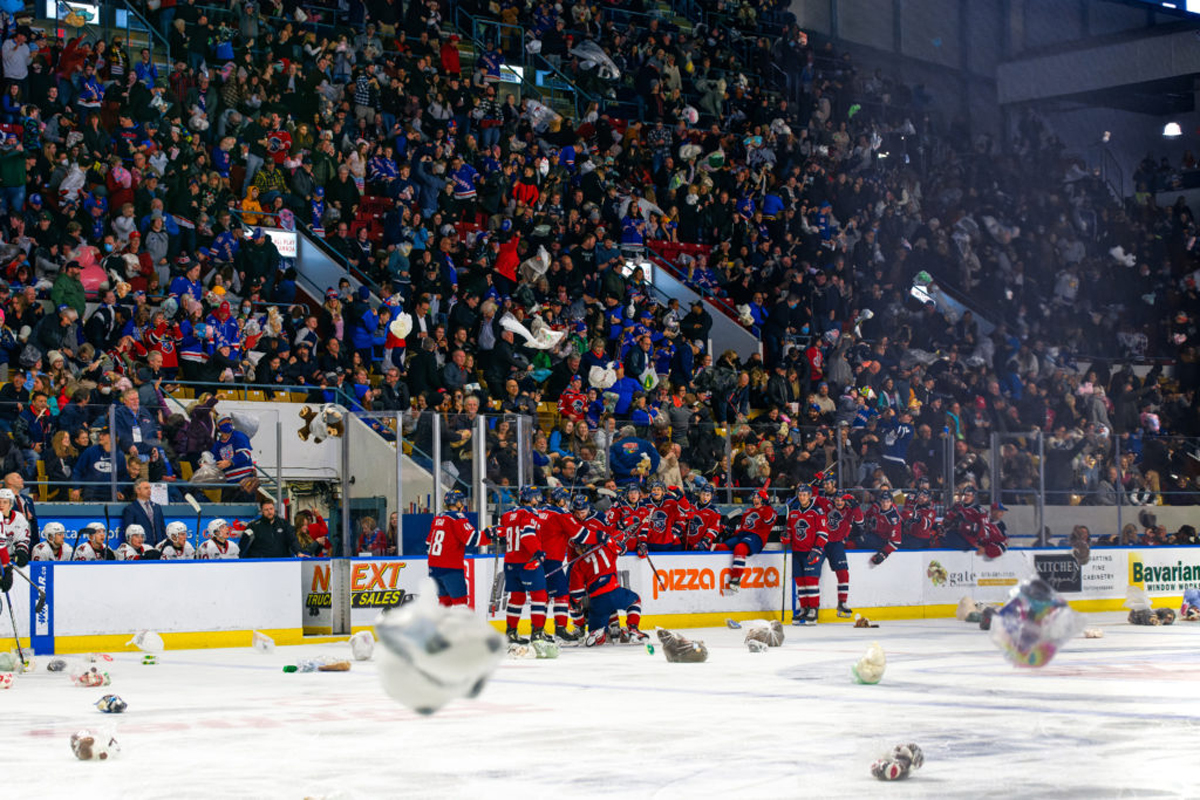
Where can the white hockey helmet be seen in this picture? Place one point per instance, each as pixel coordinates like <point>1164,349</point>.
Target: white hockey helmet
<point>216,526</point>
<point>135,530</point>
<point>176,529</point>
<point>96,527</point>
<point>7,494</point>
<point>54,529</point>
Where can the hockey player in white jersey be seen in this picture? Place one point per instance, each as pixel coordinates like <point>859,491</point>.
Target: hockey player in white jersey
<point>95,547</point>
<point>134,548</point>
<point>218,546</point>
<point>53,546</point>
<point>14,529</point>
<point>177,546</point>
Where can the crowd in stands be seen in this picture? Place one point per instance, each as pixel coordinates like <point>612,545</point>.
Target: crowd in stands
<point>800,192</point>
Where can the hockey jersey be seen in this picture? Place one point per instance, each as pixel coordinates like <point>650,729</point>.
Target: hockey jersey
<point>627,522</point>
<point>573,405</point>
<point>212,550</point>
<point>127,552</point>
<point>595,573</point>
<point>840,521</point>
<point>806,526</point>
<point>449,537</point>
<point>703,526</point>
<point>86,552</point>
<point>919,520</point>
<point>555,528</point>
<point>885,525</point>
<point>975,525</point>
<point>520,529</point>
<point>45,552</point>
<point>235,450</point>
<point>14,535</point>
<point>759,521</point>
<point>172,553</point>
<point>661,519</point>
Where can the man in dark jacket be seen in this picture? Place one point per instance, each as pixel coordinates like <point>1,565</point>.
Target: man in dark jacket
<point>696,325</point>
<point>269,536</point>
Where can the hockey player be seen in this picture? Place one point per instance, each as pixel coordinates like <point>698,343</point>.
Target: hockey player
<point>594,575</point>
<point>217,546</point>
<point>829,489</point>
<point>882,522</point>
<point>53,546</point>
<point>969,526</point>
<point>918,521</point>
<point>523,565</point>
<point>14,529</point>
<point>704,522</point>
<point>449,537</point>
<point>661,520</point>
<point>177,547</point>
<point>134,547</point>
<point>806,526</point>
<point>841,516</point>
<point>95,546</point>
<point>628,516</point>
<point>749,538</point>
<point>556,527</point>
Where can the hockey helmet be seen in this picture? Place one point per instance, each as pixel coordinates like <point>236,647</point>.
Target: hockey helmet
<point>530,495</point>
<point>804,488</point>
<point>454,498</point>
<point>580,503</point>
<point>629,490</point>
<point>559,495</point>
<point>54,529</point>
<point>96,528</point>
<point>657,483</point>
<point>134,530</point>
<point>7,494</point>
<point>176,529</point>
<point>966,489</point>
<point>705,488</point>
<point>218,525</point>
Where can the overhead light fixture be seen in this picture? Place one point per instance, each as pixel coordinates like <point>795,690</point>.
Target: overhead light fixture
<point>1172,130</point>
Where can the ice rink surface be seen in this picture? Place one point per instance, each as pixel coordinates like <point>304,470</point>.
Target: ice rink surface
<point>1111,717</point>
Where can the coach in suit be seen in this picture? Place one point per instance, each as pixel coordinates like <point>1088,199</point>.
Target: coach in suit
<point>142,511</point>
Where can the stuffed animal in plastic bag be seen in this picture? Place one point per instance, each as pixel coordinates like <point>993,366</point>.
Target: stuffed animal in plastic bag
<point>1034,623</point>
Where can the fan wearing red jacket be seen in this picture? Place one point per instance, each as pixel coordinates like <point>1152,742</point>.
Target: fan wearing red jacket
<point>841,515</point>
<point>704,523</point>
<point>918,521</point>
<point>449,537</point>
<point>883,527</point>
<point>573,403</point>
<point>523,560</point>
<point>749,538</point>
<point>806,525</point>
<point>556,529</point>
<point>594,574</point>
<point>969,526</point>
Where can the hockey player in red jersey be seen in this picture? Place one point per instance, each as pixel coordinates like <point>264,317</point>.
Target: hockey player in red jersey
<point>806,525</point>
<point>841,515</point>
<point>449,537</point>
<point>628,516</point>
<point>523,565</point>
<point>704,521</point>
<point>969,526</point>
<point>918,521</point>
<point>661,520</point>
<point>749,538</point>
<point>883,527</point>
<point>556,528</point>
<point>594,575</point>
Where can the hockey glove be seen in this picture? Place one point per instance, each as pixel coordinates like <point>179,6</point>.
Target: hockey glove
<point>21,555</point>
<point>642,550</point>
<point>6,578</point>
<point>151,555</point>
<point>878,558</point>
<point>814,557</point>
<point>536,560</point>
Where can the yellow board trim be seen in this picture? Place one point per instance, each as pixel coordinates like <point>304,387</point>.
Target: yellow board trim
<point>192,640</point>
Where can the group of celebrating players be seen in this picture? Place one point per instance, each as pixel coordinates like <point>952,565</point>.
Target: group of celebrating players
<point>560,553</point>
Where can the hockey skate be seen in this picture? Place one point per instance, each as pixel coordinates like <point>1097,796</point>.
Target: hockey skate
<point>539,635</point>
<point>812,615</point>
<point>800,617</point>
<point>636,636</point>
<point>596,638</point>
<point>570,637</point>
<point>732,586</point>
<point>515,638</point>
<point>844,611</point>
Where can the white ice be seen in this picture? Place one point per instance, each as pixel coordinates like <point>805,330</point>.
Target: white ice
<point>1110,717</point>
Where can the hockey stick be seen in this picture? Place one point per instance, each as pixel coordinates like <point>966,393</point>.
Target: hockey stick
<point>658,578</point>
<point>191,501</point>
<point>41,601</point>
<point>16,638</point>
